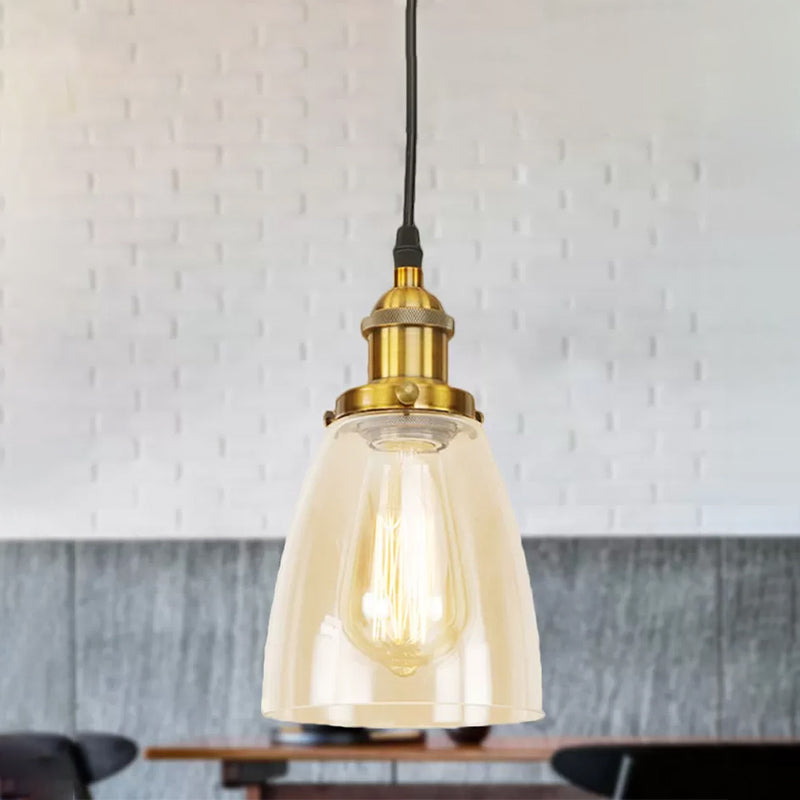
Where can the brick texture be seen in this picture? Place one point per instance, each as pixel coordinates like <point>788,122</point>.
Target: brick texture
<point>198,202</point>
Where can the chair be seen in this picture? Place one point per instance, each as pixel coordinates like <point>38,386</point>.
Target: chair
<point>683,772</point>
<point>40,766</point>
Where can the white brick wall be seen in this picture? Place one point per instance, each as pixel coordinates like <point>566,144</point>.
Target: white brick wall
<point>199,201</point>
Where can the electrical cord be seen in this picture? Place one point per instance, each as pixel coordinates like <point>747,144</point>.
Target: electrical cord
<point>411,112</point>
<point>407,249</point>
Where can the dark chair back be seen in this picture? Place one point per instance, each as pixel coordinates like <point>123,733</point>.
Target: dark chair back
<point>40,766</point>
<point>683,772</point>
<point>104,755</point>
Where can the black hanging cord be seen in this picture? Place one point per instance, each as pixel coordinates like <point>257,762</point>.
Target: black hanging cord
<point>407,250</point>
<point>411,112</point>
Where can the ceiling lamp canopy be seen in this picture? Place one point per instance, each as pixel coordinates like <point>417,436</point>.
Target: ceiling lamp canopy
<point>403,598</point>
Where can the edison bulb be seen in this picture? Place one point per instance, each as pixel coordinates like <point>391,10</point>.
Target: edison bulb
<point>404,599</point>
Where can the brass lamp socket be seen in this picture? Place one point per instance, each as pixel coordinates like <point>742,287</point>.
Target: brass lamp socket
<point>407,335</point>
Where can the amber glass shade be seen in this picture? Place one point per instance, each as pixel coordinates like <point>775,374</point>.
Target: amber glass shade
<point>403,599</point>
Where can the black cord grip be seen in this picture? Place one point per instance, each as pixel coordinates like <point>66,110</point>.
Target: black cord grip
<point>407,249</point>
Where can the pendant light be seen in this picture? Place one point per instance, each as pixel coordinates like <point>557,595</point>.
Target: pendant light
<point>403,598</point>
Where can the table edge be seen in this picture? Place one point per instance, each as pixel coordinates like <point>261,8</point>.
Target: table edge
<point>531,750</point>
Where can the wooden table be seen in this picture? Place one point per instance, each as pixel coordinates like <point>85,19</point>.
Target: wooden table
<point>252,766</point>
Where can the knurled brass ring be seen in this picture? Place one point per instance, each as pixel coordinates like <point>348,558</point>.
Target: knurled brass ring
<point>424,317</point>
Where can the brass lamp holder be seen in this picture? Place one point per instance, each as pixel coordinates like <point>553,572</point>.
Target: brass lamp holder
<point>407,335</point>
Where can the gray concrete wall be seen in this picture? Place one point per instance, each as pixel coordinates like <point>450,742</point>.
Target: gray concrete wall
<point>163,642</point>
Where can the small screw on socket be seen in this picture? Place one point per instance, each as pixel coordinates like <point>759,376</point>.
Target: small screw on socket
<point>407,394</point>
<point>327,418</point>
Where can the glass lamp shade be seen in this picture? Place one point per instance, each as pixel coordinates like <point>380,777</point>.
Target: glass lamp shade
<point>403,599</point>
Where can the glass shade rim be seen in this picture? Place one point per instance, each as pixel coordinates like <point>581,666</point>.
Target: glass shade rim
<point>495,714</point>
